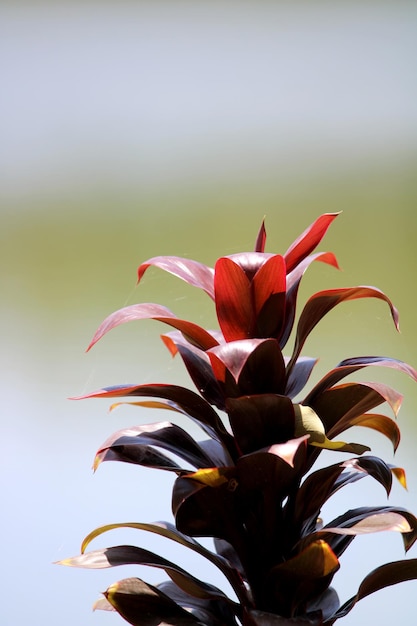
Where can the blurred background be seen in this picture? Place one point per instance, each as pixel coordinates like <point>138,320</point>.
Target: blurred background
<point>134,129</point>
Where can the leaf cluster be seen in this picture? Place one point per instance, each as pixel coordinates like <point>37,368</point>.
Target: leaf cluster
<point>250,483</point>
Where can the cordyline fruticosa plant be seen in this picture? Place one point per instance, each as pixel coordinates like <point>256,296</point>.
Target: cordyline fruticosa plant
<point>250,484</point>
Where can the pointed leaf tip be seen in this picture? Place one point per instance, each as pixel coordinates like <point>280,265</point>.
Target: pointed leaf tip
<point>261,238</point>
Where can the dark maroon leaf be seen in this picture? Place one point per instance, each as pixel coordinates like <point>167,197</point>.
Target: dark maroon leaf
<point>195,334</point>
<point>226,551</point>
<point>339,406</point>
<point>324,301</point>
<point>134,445</point>
<point>381,577</point>
<point>204,511</point>
<point>327,604</point>
<point>250,366</point>
<point>299,375</point>
<point>208,612</point>
<point>369,515</point>
<point>184,400</point>
<point>320,485</point>
<point>296,581</point>
<point>198,366</point>
<point>192,272</point>
<point>348,366</point>
<point>308,240</point>
<point>141,604</point>
<point>132,555</point>
<point>261,420</point>
<point>169,531</point>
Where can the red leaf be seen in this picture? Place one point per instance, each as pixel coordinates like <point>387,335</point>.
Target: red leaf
<point>233,300</point>
<point>261,238</point>
<point>269,289</point>
<point>308,240</point>
<point>192,272</point>
<point>195,334</point>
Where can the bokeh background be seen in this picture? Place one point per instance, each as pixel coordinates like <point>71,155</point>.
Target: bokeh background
<point>133,129</point>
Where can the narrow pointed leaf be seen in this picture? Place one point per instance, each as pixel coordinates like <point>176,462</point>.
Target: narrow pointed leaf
<point>261,238</point>
<point>308,240</point>
<point>380,423</point>
<point>169,531</point>
<point>355,519</point>
<point>195,334</point>
<point>192,272</point>
<point>381,577</point>
<point>293,283</point>
<point>132,555</point>
<point>348,366</point>
<point>324,301</point>
<point>299,375</point>
<point>136,442</point>
<point>188,402</point>
<point>341,406</point>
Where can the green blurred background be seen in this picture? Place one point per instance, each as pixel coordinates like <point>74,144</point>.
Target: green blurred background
<point>136,129</point>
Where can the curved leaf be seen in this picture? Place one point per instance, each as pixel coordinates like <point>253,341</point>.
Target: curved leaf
<point>141,604</point>
<point>195,334</point>
<point>134,445</point>
<point>299,375</point>
<point>380,423</point>
<point>324,301</point>
<point>208,612</point>
<point>247,367</point>
<point>348,366</point>
<point>303,577</point>
<point>341,407</point>
<point>132,555</point>
<point>308,240</point>
<point>308,422</point>
<point>169,531</point>
<point>186,401</point>
<point>320,485</point>
<point>374,519</point>
<point>293,283</point>
<point>192,272</point>
<point>381,577</point>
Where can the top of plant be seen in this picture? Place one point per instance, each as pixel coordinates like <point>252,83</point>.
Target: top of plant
<point>251,484</point>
